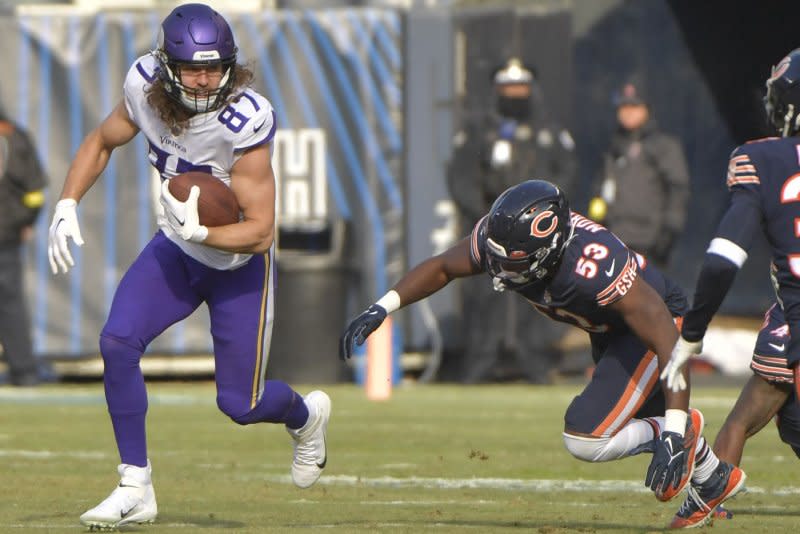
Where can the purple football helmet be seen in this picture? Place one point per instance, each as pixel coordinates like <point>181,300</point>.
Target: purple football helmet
<point>195,35</point>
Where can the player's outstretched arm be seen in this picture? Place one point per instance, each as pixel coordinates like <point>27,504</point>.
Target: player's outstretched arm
<point>90,160</point>
<point>423,280</point>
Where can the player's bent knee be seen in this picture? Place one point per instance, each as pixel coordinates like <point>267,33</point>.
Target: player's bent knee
<point>116,351</point>
<point>577,419</point>
<point>242,414</point>
<point>587,448</point>
<point>239,414</point>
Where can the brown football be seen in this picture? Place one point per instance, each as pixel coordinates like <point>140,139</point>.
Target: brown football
<point>216,205</point>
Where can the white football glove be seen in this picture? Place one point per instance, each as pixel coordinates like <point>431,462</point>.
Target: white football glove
<point>681,353</point>
<point>64,225</point>
<point>183,216</point>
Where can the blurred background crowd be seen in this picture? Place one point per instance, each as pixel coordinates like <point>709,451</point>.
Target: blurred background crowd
<point>399,122</point>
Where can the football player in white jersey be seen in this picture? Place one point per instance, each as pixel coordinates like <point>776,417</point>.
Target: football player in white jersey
<point>191,100</point>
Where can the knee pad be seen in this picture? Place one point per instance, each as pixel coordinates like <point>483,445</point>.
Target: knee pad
<point>586,448</point>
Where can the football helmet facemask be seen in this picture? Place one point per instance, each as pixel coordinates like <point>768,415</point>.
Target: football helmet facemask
<point>526,232</point>
<point>194,35</point>
<point>782,101</point>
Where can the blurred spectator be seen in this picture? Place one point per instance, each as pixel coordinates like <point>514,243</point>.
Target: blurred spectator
<point>643,193</point>
<point>21,198</point>
<point>508,140</point>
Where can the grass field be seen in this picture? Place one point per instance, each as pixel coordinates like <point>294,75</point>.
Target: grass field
<point>440,458</point>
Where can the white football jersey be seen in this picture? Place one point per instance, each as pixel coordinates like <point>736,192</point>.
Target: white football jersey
<point>211,143</point>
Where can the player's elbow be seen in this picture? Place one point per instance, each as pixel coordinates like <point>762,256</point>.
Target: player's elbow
<point>264,240</point>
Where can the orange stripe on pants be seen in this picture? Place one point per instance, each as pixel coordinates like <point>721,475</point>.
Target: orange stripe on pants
<point>630,391</point>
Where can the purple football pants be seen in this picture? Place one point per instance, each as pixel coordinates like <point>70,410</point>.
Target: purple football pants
<point>164,286</point>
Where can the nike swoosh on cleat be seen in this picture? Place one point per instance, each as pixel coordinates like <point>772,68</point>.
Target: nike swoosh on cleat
<point>324,460</point>
<point>777,347</point>
<point>610,270</point>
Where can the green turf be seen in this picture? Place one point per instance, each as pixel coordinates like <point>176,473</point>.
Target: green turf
<point>405,465</point>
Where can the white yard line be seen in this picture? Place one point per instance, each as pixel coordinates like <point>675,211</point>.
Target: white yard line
<point>512,484</point>
<point>62,397</point>
<point>22,453</point>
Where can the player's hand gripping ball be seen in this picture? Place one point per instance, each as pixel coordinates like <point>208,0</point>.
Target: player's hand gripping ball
<point>216,205</point>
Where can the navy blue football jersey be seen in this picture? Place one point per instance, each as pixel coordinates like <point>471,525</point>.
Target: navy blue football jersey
<point>596,270</point>
<point>766,173</point>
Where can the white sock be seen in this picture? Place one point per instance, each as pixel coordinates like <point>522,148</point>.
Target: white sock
<point>628,441</point>
<point>705,462</point>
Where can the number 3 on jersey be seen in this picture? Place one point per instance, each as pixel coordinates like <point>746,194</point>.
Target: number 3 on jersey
<point>587,266</point>
<point>790,192</point>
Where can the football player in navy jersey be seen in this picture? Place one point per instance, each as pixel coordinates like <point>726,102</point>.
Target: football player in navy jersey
<point>764,183</point>
<point>191,101</point>
<point>575,271</point>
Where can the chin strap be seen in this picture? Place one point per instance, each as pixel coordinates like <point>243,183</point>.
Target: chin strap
<point>787,120</point>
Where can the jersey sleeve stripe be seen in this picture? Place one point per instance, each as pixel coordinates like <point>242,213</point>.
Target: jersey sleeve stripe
<point>474,250</point>
<point>772,373</point>
<point>728,250</point>
<point>745,168</point>
<point>252,101</point>
<point>265,140</point>
<point>741,170</point>
<point>775,360</point>
<point>610,287</point>
<point>149,78</point>
<point>612,291</point>
<point>271,133</point>
<point>750,179</point>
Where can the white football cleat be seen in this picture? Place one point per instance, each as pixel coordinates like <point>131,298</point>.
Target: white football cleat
<point>133,501</point>
<point>310,451</point>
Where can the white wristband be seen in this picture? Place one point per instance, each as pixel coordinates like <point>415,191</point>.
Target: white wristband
<point>199,235</point>
<point>67,203</point>
<point>390,301</point>
<point>675,421</point>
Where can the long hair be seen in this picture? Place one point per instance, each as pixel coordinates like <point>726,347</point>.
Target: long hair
<point>175,115</point>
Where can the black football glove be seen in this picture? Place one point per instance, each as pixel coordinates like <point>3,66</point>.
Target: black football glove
<point>668,463</point>
<point>360,328</point>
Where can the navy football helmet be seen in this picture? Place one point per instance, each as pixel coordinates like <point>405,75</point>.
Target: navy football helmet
<point>526,232</point>
<point>195,35</point>
<point>782,101</point>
